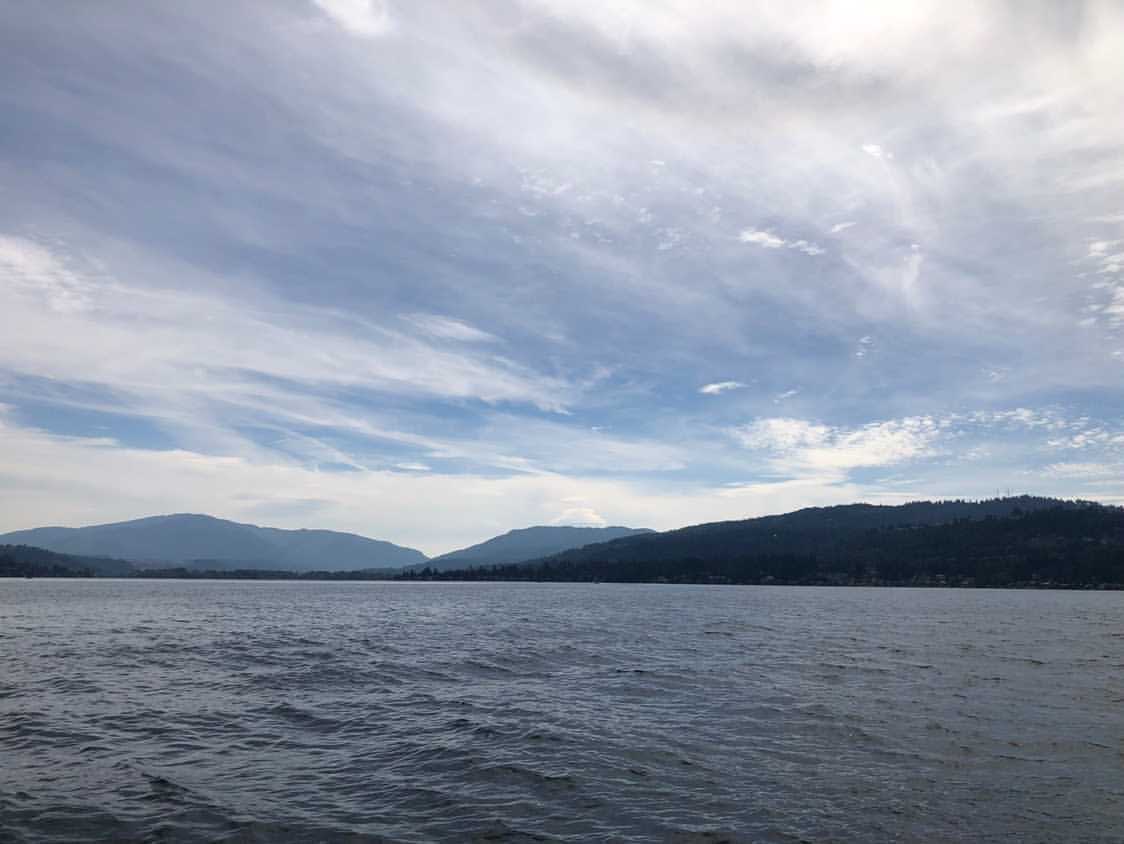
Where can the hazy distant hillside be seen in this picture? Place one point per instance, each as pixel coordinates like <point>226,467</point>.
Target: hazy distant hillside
<point>529,543</point>
<point>188,537</point>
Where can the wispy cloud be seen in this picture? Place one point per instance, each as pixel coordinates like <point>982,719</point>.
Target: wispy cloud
<point>719,387</point>
<point>761,238</point>
<point>1085,470</point>
<point>449,329</point>
<point>772,241</point>
<point>135,338</point>
<point>464,245</point>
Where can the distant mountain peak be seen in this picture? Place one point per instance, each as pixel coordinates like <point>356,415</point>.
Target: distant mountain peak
<point>186,537</point>
<point>529,543</point>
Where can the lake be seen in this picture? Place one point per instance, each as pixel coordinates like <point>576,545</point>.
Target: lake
<point>261,711</point>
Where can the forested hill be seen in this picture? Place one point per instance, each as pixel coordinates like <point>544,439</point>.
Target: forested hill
<point>809,531</point>
<point>531,543</point>
<point>26,561</point>
<point>1011,541</point>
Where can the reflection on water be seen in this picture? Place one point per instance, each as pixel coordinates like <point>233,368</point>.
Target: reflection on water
<point>257,711</point>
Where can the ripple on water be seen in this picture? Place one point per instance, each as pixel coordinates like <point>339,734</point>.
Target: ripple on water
<point>187,711</point>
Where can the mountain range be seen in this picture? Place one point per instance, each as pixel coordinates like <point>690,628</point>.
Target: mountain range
<point>205,542</point>
<point>1007,541</point>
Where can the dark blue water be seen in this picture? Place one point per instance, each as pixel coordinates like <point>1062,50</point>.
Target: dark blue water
<point>234,711</point>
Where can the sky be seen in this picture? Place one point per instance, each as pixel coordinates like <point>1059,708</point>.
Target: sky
<point>430,271</point>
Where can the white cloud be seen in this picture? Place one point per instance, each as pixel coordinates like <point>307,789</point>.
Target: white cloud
<point>365,18</point>
<point>796,446</point>
<point>28,267</point>
<point>806,247</point>
<point>579,517</point>
<point>1090,437</point>
<point>838,227</point>
<point>1111,264</point>
<point>761,238</point>
<point>772,241</point>
<point>67,324</point>
<point>873,150</point>
<point>1062,432</point>
<point>1115,307</point>
<point>449,329</point>
<point>1021,416</point>
<point>720,387</point>
<point>782,434</point>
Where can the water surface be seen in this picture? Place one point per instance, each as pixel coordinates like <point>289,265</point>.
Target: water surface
<point>261,711</point>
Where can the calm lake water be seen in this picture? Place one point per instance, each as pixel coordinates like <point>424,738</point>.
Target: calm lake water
<point>235,711</point>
